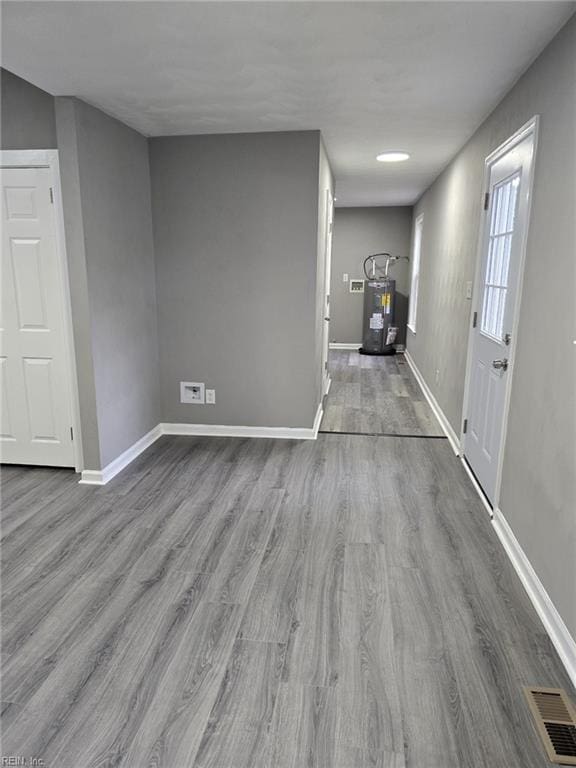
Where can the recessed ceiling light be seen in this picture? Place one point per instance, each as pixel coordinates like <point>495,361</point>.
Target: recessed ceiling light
<point>392,157</point>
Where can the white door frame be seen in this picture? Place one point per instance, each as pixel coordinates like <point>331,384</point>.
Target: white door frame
<point>326,304</point>
<point>528,129</point>
<point>48,158</point>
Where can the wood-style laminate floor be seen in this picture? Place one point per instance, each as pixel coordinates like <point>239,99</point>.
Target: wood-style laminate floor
<point>237,603</point>
<point>372,394</point>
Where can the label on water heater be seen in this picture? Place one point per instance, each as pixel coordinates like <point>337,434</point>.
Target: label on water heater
<point>386,302</point>
<point>376,322</point>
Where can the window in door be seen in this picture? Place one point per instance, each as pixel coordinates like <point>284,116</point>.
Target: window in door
<point>415,273</point>
<point>499,247</point>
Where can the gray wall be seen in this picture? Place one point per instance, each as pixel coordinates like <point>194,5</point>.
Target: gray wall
<point>28,120</point>
<point>106,188</point>
<point>358,232</point>
<point>236,236</point>
<point>538,495</point>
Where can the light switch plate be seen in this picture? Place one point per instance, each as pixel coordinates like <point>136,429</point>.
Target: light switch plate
<point>192,392</point>
<point>345,277</point>
<point>210,397</point>
<point>469,290</point>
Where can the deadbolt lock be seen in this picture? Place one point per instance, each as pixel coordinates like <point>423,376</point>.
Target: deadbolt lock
<point>507,338</point>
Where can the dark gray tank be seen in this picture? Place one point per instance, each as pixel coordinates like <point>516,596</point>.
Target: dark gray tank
<point>379,299</point>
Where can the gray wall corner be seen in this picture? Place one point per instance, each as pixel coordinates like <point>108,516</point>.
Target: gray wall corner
<point>106,183</point>
<point>28,118</point>
<point>65,116</point>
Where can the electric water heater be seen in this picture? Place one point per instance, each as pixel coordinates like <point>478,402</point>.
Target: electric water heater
<point>379,332</point>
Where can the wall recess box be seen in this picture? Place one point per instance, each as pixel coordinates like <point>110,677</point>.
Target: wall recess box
<point>192,392</point>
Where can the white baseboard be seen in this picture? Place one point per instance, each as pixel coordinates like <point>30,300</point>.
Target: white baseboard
<point>103,476</point>
<point>327,385</point>
<point>223,430</point>
<point>318,418</point>
<point>433,403</point>
<point>561,638</point>
<point>93,477</point>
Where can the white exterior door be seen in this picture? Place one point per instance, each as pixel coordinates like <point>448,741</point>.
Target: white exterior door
<point>327,278</point>
<point>493,341</point>
<point>36,407</point>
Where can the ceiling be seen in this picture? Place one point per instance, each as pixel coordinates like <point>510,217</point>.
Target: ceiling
<point>372,76</point>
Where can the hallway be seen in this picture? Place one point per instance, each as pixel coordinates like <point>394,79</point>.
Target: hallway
<point>375,395</point>
<point>237,603</point>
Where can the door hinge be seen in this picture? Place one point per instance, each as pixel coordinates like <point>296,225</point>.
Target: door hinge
<point>465,427</point>
<point>72,434</point>
<point>486,200</point>
<point>474,319</point>
<point>326,365</point>
<point>51,196</point>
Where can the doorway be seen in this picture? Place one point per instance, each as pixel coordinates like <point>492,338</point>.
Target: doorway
<point>494,330</point>
<point>37,374</point>
<point>372,394</point>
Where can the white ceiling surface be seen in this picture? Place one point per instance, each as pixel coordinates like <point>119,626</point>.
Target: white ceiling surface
<point>417,76</point>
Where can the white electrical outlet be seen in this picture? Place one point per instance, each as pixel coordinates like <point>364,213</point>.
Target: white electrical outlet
<point>345,277</point>
<point>210,396</point>
<point>437,376</point>
<point>469,290</point>
<point>192,392</point>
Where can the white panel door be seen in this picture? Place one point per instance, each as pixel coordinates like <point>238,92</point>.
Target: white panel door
<point>35,425</point>
<point>327,278</point>
<point>492,339</point>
